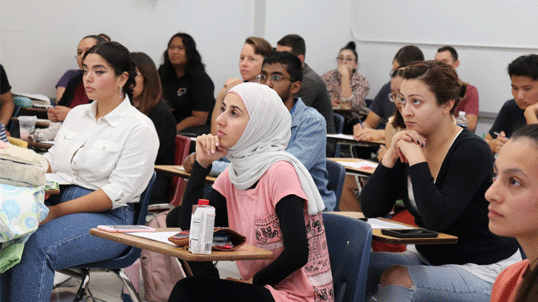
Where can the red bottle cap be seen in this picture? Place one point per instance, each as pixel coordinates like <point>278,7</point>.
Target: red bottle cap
<point>203,202</point>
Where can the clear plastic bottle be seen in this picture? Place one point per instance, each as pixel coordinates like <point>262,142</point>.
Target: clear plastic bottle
<point>202,226</point>
<point>462,121</point>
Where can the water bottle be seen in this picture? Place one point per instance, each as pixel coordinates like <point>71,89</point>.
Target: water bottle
<point>462,121</point>
<point>202,225</point>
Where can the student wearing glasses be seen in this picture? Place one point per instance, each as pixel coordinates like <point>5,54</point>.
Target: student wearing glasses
<point>347,88</point>
<point>442,172</point>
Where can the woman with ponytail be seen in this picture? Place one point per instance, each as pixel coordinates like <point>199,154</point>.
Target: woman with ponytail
<point>346,85</point>
<point>106,150</point>
<point>513,212</point>
<point>442,172</point>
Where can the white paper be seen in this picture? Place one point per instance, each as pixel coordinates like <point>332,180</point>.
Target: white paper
<point>358,164</point>
<point>47,142</point>
<point>382,224</point>
<point>341,136</point>
<point>55,177</point>
<point>157,236</point>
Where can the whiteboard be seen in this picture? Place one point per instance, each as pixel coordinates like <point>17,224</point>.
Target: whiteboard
<point>478,23</point>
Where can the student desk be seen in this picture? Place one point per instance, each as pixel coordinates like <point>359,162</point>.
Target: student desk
<point>362,167</point>
<point>52,192</point>
<point>245,252</point>
<point>347,139</point>
<point>174,170</point>
<point>38,145</point>
<point>376,233</point>
<point>355,168</point>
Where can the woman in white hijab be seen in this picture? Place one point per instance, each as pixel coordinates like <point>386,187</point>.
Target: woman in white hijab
<point>267,195</point>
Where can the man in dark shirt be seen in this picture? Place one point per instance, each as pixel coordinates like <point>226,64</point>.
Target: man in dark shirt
<point>523,108</point>
<point>313,90</point>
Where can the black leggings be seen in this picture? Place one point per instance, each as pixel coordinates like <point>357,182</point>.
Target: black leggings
<point>198,289</point>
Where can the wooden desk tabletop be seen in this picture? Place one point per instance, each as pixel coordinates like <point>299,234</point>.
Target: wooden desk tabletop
<point>52,192</point>
<point>174,170</point>
<point>361,166</point>
<point>38,145</point>
<point>347,139</point>
<point>376,233</point>
<point>245,252</point>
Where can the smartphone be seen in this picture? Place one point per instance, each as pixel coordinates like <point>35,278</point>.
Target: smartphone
<point>410,233</point>
<point>125,228</point>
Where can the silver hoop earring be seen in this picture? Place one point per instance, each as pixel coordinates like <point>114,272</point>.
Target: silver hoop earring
<point>121,92</point>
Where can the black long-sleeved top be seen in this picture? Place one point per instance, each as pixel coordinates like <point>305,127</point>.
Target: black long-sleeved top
<point>289,211</point>
<point>454,204</point>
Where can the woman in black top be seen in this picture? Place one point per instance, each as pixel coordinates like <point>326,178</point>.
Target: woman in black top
<point>147,97</point>
<point>442,171</point>
<point>186,85</point>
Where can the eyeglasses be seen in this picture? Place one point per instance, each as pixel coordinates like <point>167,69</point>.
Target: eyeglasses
<point>275,78</point>
<point>396,98</point>
<point>345,60</point>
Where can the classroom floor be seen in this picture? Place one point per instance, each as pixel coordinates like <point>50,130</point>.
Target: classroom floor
<point>107,287</point>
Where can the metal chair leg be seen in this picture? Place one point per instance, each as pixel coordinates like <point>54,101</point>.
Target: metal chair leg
<point>128,284</point>
<point>85,280</point>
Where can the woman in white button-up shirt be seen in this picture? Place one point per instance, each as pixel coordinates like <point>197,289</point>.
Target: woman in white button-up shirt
<point>107,150</point>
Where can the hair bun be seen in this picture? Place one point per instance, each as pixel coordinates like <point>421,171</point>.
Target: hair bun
<point>351,45</point>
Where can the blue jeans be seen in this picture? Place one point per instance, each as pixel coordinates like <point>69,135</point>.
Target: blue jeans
<point>430,283</point>
<point>58,244</point>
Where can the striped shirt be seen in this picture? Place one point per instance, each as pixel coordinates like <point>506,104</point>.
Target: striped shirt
<point>3,135</point>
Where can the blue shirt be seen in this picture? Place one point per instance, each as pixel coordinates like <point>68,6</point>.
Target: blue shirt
<point>307,143</point>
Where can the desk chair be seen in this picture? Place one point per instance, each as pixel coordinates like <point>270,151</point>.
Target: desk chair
<point>339,122</point>
<point>349,241</point>
<point>337,176</point>
<point>177,185</point>
<point>183,144</point>
<point>117,264</point>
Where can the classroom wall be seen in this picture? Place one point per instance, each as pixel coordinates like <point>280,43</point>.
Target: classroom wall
<point>36,55</point>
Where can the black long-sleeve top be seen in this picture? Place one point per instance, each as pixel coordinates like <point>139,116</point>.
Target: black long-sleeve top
<point>454,204</point>
<point>289,211</point>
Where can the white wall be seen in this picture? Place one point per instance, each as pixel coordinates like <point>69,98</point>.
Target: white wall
<point>38,38</point>
<point>35,54</point>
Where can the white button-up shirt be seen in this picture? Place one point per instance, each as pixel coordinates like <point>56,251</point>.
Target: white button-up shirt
<point>115,153</point>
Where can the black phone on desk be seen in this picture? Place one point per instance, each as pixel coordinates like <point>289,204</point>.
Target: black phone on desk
<point>409,233</point>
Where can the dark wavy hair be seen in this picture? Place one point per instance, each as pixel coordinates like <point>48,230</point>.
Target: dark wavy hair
<point>119,58</point>
<point>440,78</point>
<point>289,61</point>
<point>194,59</point>
<point>152,93</point>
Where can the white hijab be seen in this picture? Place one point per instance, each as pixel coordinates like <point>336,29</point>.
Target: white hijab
<point>264,142</point>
